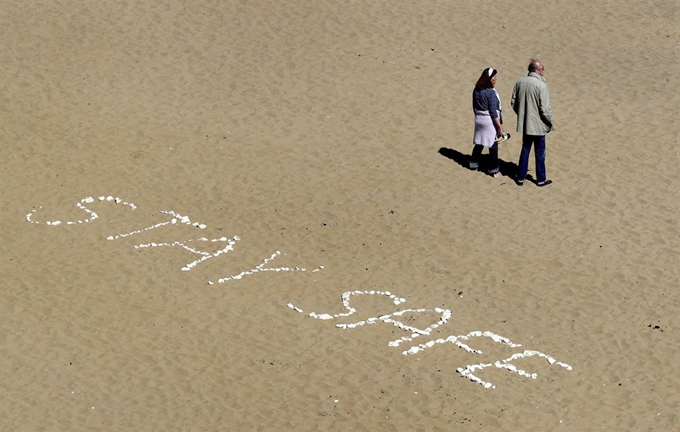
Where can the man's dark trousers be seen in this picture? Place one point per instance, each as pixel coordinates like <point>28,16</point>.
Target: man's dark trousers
<point>538,141</point>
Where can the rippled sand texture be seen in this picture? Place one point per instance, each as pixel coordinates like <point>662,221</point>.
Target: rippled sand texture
<point>305,158</point>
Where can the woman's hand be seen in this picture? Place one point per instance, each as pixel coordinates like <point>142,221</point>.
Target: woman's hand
<point>499,128</point>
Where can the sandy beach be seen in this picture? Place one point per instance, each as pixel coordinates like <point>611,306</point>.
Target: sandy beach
<point>257,216</point>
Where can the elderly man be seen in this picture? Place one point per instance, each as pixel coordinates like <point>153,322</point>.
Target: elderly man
<point>531,102</point>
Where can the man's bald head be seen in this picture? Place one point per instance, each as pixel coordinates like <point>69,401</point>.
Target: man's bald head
<point>535,65</point>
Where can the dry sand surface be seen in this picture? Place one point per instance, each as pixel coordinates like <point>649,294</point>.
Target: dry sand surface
<point>334,133</point>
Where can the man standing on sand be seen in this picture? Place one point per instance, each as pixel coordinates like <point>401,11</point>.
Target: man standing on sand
<point>531,102</point>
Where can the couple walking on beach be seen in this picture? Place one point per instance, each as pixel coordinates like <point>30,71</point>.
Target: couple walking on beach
<point>531,102</point>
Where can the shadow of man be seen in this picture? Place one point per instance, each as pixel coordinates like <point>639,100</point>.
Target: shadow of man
<point>507,169</point>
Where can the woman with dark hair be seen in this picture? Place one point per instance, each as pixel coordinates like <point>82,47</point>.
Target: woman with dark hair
<point>486,103</point>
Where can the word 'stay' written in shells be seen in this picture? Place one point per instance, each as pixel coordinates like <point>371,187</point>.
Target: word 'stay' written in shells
<point>462,341</point>
<point>221,246</point>
<point>194,246</point>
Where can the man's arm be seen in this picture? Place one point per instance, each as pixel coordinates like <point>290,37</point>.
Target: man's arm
<point>544,108</point>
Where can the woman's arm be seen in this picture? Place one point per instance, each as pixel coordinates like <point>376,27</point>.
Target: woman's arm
<point>493,112</point>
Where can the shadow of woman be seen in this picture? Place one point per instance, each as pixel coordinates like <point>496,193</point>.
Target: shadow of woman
<point>507,169</point>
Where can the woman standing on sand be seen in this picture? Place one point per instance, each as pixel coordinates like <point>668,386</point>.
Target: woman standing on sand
<point>486,103</point>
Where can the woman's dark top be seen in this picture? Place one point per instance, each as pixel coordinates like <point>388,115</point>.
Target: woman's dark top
<point>485,100</point>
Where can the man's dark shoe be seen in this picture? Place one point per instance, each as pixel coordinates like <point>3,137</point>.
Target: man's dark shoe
<point>519,182</point>
<point>545,183</point>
